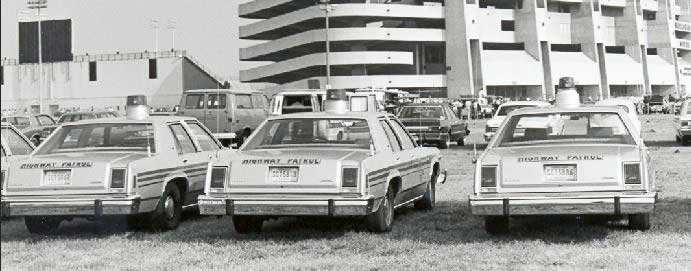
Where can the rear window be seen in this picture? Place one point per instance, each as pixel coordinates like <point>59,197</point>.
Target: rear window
<point>15,142</point>
<point>101,137</point>
<point>565,128</point>
<point>302,132</point>
<point>194,101</point>
<point>426,112</point>
<point>297,104</point>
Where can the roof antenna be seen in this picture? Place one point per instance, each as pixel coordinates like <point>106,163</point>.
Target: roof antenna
<point>148,141</point>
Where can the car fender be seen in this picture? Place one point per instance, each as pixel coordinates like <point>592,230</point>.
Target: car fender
<point>393,173</point>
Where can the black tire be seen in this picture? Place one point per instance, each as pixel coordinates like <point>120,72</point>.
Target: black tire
<point>428,200</point>
<point>247,224</point>
<point>496,225</point>
<point>639,222</point>
<point>461,141</point>
<point>138,222</point>
<point>169,210</point>
<point>382,219</point>
<point>443,144</point>
<point>42,224</point>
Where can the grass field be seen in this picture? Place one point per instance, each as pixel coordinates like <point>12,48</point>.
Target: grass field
<point>447,238</point>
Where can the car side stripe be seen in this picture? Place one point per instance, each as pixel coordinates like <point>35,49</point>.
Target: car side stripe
<point>153,177</point>
<point>142,174</point>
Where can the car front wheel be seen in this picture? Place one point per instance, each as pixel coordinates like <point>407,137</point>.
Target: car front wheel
<point>639,221</point>
<point>428,200</point>
<point>496,225</point>
<point>169,210</point>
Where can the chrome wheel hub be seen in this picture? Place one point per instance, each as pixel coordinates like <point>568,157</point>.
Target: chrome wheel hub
<point>169,207</point>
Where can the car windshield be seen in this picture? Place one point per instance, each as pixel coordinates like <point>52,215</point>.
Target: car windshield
<point>505,110</point>
<point>565,128</point>
<point>304,132</point>
<point>101,137</point>
<point>414,112</point>
<point>15,142</point>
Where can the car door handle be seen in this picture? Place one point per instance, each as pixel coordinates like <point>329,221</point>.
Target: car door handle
<point>184,161</point>
<point>397,158</point>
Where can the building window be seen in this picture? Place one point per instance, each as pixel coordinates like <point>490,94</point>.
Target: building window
<point>153,69</point>
<point>565,47</point>
<point>499,46</point>
<point>648,16</point>
<point>508,25</point>
<point>651,51</point>
<point>92,71</point>
<point>615,49</point>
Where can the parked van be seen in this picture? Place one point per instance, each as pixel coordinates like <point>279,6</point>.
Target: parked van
<point>297,101</point>
<point>230,114</point>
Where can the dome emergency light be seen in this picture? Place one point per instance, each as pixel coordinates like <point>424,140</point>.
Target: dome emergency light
<point>137,109</point>
<point>567,96</point>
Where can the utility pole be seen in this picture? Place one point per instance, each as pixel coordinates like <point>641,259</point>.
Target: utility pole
<point>38,5</point>
<point>327,7</point>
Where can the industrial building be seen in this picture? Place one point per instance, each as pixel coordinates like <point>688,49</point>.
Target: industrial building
<point>101,81</point>
<point>512,48</point>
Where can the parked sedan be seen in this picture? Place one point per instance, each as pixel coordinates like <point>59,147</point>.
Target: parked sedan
<point>683,124</point>
<point>434,123</point>
<point>35,127</point>
<point>15,147</point>
<point>77,116</point>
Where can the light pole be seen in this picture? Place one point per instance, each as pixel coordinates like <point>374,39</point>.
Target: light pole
<point>171,26</point>
<point>38,5</point>
<point>154,25</point>
<point>327,7</point>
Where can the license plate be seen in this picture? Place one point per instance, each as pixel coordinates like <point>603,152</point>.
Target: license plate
<point>57,177</point>
<point>560,173</point>
<point>283,174</point>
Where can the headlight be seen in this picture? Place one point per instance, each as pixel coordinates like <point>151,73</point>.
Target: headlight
<point>632,173</point>
<point>488,176</point>
<point>218,177</point>
<point>118,176</point>
<point>349,177</point>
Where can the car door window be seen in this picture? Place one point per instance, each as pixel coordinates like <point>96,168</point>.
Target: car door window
<point>45,120</point>
<point>243,101</point>
<point>406,142</point>
<point>206,142</point>
<point>194,101</point>
<point>394,143</point>
<point>17,144</point>
<point>216,101</point>
<point>183,142</point>
<point>257,101</point>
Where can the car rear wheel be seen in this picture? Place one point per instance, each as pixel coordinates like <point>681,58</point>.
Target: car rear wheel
<point>496,225</point>
<point>169,210</point>
<point>461,141</point>
<point>247,224</point>
<point>443,144</point>
<point>428,200</point>
<point>42,224</point>
<point>639,221</point>
<point>382,219</point>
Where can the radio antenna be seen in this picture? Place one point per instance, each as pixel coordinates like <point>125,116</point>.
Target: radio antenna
<point>148,141</point>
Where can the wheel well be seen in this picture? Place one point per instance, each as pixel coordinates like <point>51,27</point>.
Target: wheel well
<point>181,183</point>
<point>247,131</point>
<point>395,183</point>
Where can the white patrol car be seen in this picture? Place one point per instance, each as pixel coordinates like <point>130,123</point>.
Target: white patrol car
<point>15,147</point>
<point>503,110</point>
<point>683,124</point>
<point>333,163</point>
<point>141,166</point>
<point>580,161</point>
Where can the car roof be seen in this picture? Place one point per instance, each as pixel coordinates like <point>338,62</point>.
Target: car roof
<point>86,113</point>
<point>149,119</point>
<point>554,109</point>
<point>306,115</point>
<point>424,104</point>
<point>302,92</point>
<point>223,90</point>
<point>526,103</point>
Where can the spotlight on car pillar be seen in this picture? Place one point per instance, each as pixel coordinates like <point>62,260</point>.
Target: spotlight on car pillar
<point>137,108</point>
<point>336,101</point>
<point>567,96</point>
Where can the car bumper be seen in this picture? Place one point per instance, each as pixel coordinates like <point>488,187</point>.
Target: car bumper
<point>69,207</point>
<point>421,136</point>
<point>272,206</point>
<point>563,204</point>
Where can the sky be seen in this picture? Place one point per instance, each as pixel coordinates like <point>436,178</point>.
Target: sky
<point>207,29</point>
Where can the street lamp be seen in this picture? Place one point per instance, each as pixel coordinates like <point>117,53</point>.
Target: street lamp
<point>38,5</point>
<point>327,7</point>
<point>172,24</point>
<point>154,25</point>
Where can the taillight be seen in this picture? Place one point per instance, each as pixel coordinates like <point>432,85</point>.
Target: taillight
<point>118,177</point>
<point>349,177</point>
<point>2,180</point>
<point>632,173</point>
<point>218,177</point>
<point>488,176</point>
